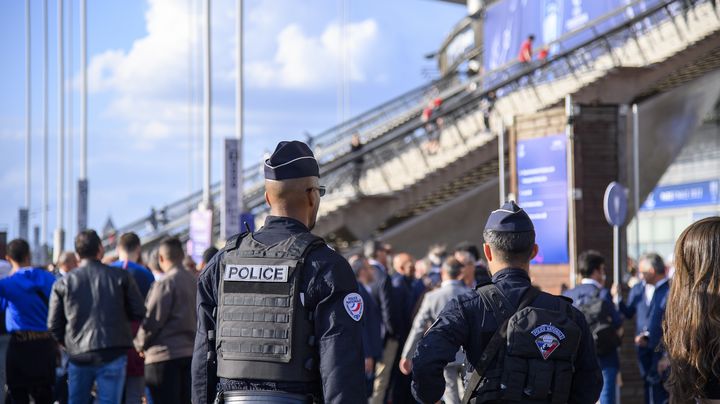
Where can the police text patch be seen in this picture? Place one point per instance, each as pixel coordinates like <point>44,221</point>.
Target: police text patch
<point>256,273</point>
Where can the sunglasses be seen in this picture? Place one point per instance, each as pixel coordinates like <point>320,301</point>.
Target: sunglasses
<point>320,189</point>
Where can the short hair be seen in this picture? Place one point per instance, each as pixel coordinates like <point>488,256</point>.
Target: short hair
<point>129,242</point>
<point>373,247</point>
<point>172,249</point>
<point>65,257</point>
<point>453,268</point>
<point>208,254</point>
<point>464,257</point>
<point>513,247</point>
<point>655,261</point>
<point>18,250</point>
<point>466,246</point>
<point>589,261</point>
<point>357,263</point>
<point>531,37</point>
<point>87,244</point>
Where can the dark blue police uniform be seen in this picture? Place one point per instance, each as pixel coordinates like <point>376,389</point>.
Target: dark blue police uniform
<point>325,282</point>
<point>466,321</point>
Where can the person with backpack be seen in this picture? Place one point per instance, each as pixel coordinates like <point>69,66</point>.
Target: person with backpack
<point>524,345</point>
<point>595,302</point>
<point>32,351</point>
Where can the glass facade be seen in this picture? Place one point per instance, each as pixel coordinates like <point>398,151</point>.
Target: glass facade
<point>687,192</point>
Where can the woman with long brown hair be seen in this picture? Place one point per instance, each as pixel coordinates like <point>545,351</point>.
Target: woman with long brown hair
<point>692,318</point>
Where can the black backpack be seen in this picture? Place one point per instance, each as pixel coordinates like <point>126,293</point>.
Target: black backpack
<point>598,316</point>
<point>531,356</point>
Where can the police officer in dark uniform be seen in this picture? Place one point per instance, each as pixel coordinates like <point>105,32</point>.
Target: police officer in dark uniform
<point>278,310</point>
<point>471,321</point>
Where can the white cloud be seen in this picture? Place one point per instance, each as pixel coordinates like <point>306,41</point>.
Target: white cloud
<point>304,61</point>
<point>149,83</point>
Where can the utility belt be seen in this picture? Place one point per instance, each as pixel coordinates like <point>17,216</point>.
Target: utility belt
<point>262,396</point>
<point>27,336</point>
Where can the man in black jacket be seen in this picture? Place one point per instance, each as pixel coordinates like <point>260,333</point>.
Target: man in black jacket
<point>90,313</point>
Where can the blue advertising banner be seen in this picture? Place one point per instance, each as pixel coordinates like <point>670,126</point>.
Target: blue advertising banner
<point>683,195</point>
<point>542,192</point>
<point>508,23</point>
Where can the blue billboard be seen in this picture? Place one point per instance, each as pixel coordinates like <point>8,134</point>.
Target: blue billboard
<point>683,195</point>
<point>542,192</point>
<point>508,23</point>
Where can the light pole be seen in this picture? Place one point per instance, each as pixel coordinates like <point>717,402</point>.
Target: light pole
<point>207,138</point>
<point>24,212</point>
<point>82,195</point>
<point>45,183</point>
<point>239,123</point>
<point>59,243</point>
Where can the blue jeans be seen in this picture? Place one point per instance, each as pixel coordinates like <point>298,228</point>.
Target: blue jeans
<point>607,395</point>
<point>109,377</point>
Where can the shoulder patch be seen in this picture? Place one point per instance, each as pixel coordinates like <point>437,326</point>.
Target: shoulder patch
<point>547,339</point>
<point>354,306</point>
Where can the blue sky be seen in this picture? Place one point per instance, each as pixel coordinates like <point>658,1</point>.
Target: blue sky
<point>145,77</point>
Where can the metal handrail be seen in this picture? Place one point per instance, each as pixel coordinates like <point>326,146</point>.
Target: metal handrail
<point>564,37</point>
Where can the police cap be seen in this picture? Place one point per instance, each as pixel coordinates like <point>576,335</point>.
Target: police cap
<point>291,159</point>
<point>509,218</point>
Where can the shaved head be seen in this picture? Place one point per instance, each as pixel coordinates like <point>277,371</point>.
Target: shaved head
<point>296,198</point>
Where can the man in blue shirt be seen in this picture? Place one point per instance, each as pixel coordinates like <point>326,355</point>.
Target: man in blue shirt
<point>129,253</point>
<point>591,265</point>
<point>647,300</point>
<point>31,355</point>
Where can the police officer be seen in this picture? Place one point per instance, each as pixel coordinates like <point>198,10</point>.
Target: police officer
<point>471,321</point>
<point>278,310</point>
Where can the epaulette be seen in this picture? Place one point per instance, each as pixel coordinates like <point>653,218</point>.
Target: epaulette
<point>234,241</point>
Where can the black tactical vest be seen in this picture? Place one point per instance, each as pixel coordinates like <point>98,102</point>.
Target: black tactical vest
<point>264,332</point>
<point>534,355</point>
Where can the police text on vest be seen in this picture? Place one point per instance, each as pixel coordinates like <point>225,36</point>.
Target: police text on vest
<point>256,273</point>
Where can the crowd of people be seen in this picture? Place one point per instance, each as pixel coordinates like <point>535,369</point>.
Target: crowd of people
<point>99,328</point>
<point>278,315</point>
<point>123,333</point>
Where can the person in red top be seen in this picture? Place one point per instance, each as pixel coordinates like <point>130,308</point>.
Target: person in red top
<point>525,55</point>
<point>543,54</point>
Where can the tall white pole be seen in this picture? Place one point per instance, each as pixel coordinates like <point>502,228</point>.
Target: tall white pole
<point>83,91</point>
<point>59,243</point>
<point>45,184</point>
<point>636,176</point>
<point>207,202</point>
<point>24,212</point>
<point>239,102</point>
<point>82,196</point>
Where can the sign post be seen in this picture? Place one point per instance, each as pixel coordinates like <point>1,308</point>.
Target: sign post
<point>82,204</point>
<point>615,207</point>
<point>230,221</point>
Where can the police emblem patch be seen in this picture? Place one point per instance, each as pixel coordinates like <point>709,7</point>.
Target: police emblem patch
<point>354,306</point>
<point>547,339</point>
